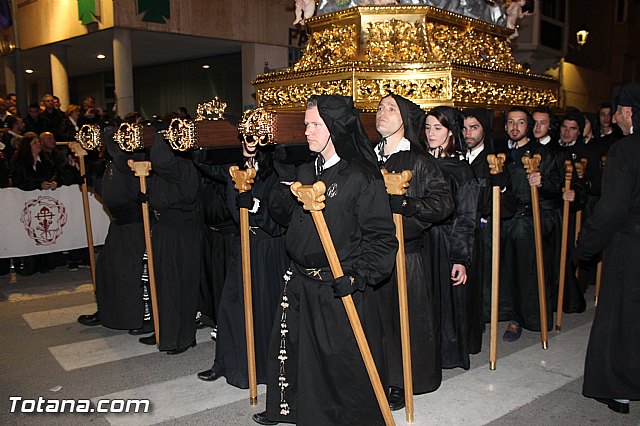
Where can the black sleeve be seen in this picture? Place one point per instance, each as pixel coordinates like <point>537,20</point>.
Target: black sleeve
<point>464,223</point>
<point>618,186</point>
<point>379,243</point>
<point>437,202</point>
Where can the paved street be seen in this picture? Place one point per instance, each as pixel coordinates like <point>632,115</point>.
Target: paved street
<point>45,353</point>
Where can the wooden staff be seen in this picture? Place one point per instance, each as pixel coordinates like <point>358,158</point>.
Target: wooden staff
<point>397,184</point>
<point>568,174</point>
<point>580,170</point>
<point>141,170</point>
<point>242,180</point>
<point>603,162</point>
<point>532,164</point>
<point>495,167</point>
<point>80,152</point>
<point>312,196</point>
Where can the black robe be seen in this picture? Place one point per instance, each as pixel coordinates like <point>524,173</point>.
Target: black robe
<point>269,262</point>
<point>612,369</point>
<point>518,272</point>
<point>479,308</point>
<point>326,377</point>
<point>176,236</point>
<point>451,242</point>
<point>430,194</point>
<point>120,263</point>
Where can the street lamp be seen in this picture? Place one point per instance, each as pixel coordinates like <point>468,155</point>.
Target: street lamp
<point>581,36</point>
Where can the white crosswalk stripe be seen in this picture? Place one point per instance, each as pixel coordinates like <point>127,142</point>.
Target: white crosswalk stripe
<point>107,349</point>
<point>53,317</point>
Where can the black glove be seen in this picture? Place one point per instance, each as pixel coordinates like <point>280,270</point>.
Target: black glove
<point>347,284</point>
<point>245,200</point>
<point>400,204</point>
<point>396,203</point>
<point>286,172</point>
<point>498,180</point>
<point>142,198</point>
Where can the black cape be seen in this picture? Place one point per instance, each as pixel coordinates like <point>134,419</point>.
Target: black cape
<point>612,369</point>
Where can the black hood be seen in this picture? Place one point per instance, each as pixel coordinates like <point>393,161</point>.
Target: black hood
<point>629,96</point>
<point>347,133</point>
<point>413,118</point>
<point>456,121</point>
<point>485,117</point>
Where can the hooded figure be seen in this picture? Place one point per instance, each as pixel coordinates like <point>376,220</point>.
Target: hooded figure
<point>315,372</point>
<point>428,200</point>
<point>611,373</point>
<point>629,96</point>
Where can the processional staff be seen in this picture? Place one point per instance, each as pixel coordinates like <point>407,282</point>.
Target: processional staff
<point>568,175</point>
<point>531,164</point>
<point>87,138</point>
<point>581,167</point>
<point>141,169</point>
<point>242,180</point>
<point>495,166</point>
<point>397,184</point>
<point>312,197</point>
<point>129,138</point>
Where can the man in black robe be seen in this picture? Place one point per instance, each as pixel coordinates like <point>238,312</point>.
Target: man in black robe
<point>518,274</point>
<point>612,371</point>
<point>120,265</point>
<point>428,200</point>
<point>177,241</point>
<point>316,374</point>
<point>478,125</point>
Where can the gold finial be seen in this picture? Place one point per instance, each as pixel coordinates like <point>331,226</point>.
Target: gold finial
<point>212,110</point>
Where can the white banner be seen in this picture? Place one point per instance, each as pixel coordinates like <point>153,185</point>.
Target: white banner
<point>46,221</point>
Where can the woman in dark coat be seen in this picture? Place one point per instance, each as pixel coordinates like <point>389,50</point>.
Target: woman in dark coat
<point>450,243</point>
<point>30,170</point>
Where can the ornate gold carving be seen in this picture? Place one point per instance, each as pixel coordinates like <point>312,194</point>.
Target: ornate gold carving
<point>396,41</point>
<point>182,134</point>
<point>466,45</point>
<point>475,91</point>
<point>372,90</point>
<point>89,136</point>
<point>257,127</point>
<point>297,94</point>
<point>211,110</point>
<point>129,137</point>
<point>329,47</point>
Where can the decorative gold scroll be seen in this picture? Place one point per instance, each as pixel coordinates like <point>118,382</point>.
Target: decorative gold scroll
<point>129,137</point>
<point>182,134</point>
<point>89,136</point>
<point>329,47</point>
<point>257,127</point>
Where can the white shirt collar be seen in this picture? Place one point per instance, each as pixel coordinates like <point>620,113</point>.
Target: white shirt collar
<point>331,161</point>
<point>566,144</point>
<point>403,145</point>
<point>545,140</point>
<point>472,154</point>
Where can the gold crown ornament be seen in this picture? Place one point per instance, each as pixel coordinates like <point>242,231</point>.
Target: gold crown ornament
<point>89,136</point>
<point>257,127</point>
<point>182,134</point>
<point>129,137</point>
<point>211,110</point>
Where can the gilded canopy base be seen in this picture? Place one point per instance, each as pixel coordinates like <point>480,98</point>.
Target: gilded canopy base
<point>431,56</point>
